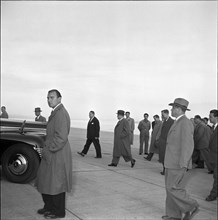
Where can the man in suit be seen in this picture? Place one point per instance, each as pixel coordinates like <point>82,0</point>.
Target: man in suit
<point>213,153</point>
<point>122,141</point>
<point>179,149</point>
<point>39,117</point>
<point>4,114</point>
<point>144,127</point>
<point>131,125</point>
<point>54,177</point>
<point>162,137</point>
<point>93,130</point>
<point>201,142</point>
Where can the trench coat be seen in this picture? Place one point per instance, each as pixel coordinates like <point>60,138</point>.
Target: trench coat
<point>132,128</point>
<point>55,171</point>
<point>121,139</point>
<point>180,144</point>
<point>153,147</point>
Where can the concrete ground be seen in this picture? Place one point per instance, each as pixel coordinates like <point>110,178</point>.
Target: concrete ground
<point>104,193</point>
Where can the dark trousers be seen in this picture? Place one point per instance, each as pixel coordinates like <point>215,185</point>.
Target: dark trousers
<point>96,145</point>
<point>213,192</point>
<point>143,139</point>
<point>55,203</point>
<point>200,156</point>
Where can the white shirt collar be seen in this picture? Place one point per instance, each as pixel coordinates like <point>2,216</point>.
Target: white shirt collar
<point>179,117</point>
<point>56,106</point>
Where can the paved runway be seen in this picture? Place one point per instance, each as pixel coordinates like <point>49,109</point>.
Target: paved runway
<point>104,193</point>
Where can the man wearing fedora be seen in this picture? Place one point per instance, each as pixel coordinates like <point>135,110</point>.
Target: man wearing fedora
<point>39,117</point>
<point>179,149</point>
<point>122,141</point>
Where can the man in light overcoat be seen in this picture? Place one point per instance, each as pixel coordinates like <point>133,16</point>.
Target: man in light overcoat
<point>54,176</point>
<point>131,122</point>
<point>122,141</point>
<point>179,149</point>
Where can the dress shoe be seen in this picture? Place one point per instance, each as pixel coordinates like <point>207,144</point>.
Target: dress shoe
<point>146,153</point>
<point>81,154</point>
<point>98,157</point>
<point>42,211</point>
<point>140,153</point>
<point>192,213</point>
<point>50,215</point>
<point>132,163</point>
<point>112,165</point>
<point>147,158</point>
<point>165,217</point>
<point>210,172</point>
<point>210,198</point>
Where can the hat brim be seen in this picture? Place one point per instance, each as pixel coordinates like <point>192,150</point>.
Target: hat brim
<point>172,104</point>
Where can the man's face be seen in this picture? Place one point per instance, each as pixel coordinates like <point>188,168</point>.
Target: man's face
<point>127,115</point>
<point>212,119</point>
<point>119,116</point>
<point>37,113</point>
<point>91,115</point>
<point>145,117</point>
<point>174,111</point>
<point>53,100</point>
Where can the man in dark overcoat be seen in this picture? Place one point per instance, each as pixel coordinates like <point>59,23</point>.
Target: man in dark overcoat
<point>54,177</point>
<point>122,141</point>
<point>39,117</point>
<point>161,141</point>
<point>213,154</point>
<point>93,130</point>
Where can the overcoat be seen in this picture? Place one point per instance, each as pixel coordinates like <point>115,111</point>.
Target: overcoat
<point>202,135</point>
<point>161,142</point>
<point>132,128</point>
<point>180,144</point>
<point>55,171</point>
<point>121,139</point>
<point>213,147</point>
<point>153,148</point>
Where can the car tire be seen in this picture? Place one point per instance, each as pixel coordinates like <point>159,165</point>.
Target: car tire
<point>20,163</point>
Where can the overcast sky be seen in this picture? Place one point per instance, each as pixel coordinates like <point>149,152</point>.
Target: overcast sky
<point>104,56</point>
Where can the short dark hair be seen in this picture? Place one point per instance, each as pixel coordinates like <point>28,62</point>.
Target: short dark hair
<point>146,114</point>
<point>156,116</point>
<point>92,112</point>
<point>166,111</point>
<point>56,91</point>
<point>206,119</point>
<point>197,117</point>
<point>214,112</point>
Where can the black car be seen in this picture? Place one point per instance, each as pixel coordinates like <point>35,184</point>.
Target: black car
<point>21,147</point>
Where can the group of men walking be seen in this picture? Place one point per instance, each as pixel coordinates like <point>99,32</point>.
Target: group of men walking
<point>176,139</point>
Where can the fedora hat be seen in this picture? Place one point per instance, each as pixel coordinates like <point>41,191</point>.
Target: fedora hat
<point>38,109</point>
<point>181,102</point>
<point>120,112</point>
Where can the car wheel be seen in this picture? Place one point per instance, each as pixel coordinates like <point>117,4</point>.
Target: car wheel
<point>20,163</point>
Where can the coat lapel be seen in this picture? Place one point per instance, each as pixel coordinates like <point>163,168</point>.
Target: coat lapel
<point>54,112</point>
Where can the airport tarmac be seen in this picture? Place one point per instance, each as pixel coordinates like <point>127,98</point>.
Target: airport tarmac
<point>108,193</point>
